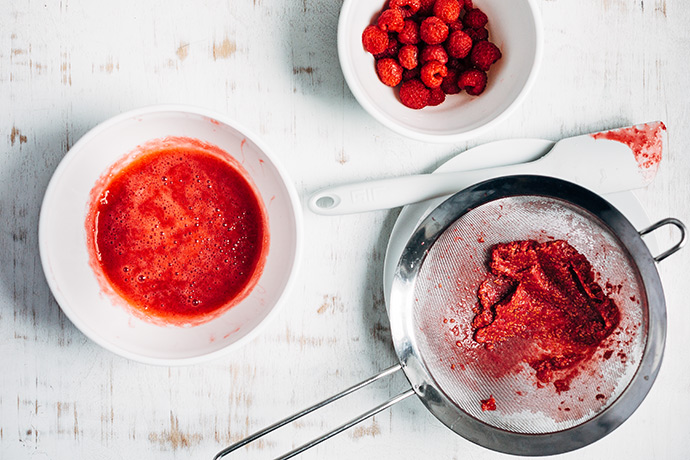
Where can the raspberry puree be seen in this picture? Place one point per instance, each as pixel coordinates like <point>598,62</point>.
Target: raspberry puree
<point>178,231</point>
<point>545,293</point>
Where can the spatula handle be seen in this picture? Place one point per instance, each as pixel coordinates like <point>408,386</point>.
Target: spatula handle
<point>400,191</point>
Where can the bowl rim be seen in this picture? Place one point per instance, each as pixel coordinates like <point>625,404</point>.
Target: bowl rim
<point>348,73</point>
<point>103,126</point>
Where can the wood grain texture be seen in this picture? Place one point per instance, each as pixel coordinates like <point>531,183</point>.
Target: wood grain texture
<point>67,65</point>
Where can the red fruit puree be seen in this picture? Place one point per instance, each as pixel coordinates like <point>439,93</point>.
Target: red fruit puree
<point>545,293</point>
<point>178,231</point>
<point>488,404</point>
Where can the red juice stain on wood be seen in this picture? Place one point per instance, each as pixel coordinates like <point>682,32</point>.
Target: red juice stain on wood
<point>646,142</point>
<point>545,294</point>
<point>178,231</point>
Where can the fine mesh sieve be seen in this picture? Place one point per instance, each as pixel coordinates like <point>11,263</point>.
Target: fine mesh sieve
<point>445,300</point>
<point>434,290</point>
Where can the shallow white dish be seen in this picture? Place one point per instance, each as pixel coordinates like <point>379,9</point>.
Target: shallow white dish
<point>65,259</point>
<point>515,27</point>
<point>492,154</point>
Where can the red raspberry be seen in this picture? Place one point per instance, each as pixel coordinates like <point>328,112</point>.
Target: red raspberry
<point>391,20</point>
<point>391,51</point>
<point>457,64</point>
<point>475,18</point>
<point>459,44</point>
<point>389,71</point>
<point>447,10</point>
<point>484,54</point>
<point>427,8</point>
<point>410,33</point>
<point>477,35</point>
<point>434,53</point>
<point>414,94</point>
<point>374,40</point>
<point>409,74</point>
<point>467,5</point>
<point>407,56</point>
<point>433,30</point>
<point>450,82</point>
<point>455,25</point>
<point>432,74</point>
<point>407,7</point>
<point>437,96</point>
<point>473,81</point>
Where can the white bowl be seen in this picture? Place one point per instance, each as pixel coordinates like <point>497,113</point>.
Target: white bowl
<point>65,258</point>
<point>515,27</point>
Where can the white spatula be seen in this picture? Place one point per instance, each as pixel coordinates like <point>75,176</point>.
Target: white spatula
<point>605,162</point>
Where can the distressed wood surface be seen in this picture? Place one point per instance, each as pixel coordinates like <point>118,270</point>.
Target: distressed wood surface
<point>67,65</point>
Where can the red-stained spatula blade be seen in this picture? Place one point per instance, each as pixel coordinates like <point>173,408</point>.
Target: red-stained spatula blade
<point>646,141</point>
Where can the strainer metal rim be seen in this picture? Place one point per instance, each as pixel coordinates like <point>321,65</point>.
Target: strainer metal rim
<point>430,392</point>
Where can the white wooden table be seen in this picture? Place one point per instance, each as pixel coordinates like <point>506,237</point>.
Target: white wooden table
<point>67,65</point>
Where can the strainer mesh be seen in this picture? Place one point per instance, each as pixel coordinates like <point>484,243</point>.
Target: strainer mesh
<point>446,293</point>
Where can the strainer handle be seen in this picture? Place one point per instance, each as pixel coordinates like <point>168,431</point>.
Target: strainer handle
<point>347,425</point>
<point>343,427</point>
<point>668,221</point>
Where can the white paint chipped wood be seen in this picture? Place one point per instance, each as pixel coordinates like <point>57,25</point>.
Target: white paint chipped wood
<point>67,65</point>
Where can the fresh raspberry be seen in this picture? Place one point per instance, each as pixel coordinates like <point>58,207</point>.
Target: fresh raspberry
<point>484,54</point>
<point>457,64</point>
<point>410,33</point>
<point>434,53</point>
<point>433,30</point>
<point>427,8</point>
<point>450,82</point>
<point>447,10</point>
<point>437,96</point>
<point>477,35</point>
<point>409,74</point>
<point>455,25</point>
<point>407,56</point>
<point>459,44</point>
<point>406,7</point>
<point>390,71</point>
<point>391,51</point>
<point>432,74</point>
<point>473,81</point>
<point>391,20</point>
<point>374,40</point>
<point>414,94</point>
<point>475,18</point>
<point>467,5</point>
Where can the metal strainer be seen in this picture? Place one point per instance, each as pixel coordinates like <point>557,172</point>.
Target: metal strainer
<point>434,291</point>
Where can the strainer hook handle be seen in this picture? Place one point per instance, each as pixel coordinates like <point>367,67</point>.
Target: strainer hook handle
<point>663,222</point>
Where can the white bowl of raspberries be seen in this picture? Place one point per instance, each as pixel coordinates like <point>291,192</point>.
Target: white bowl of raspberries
<point>439,70</point>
